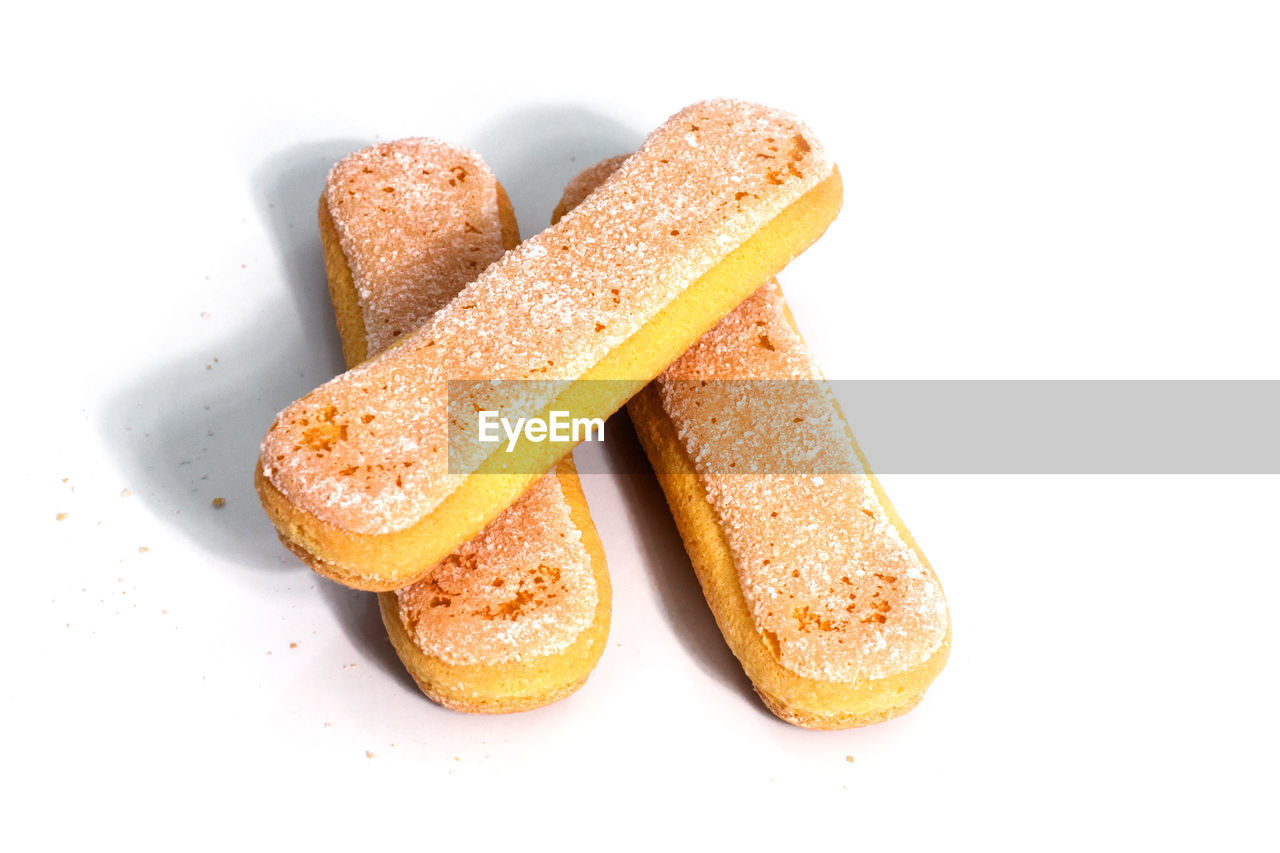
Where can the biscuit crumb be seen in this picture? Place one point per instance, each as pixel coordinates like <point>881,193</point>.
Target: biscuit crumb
<point>368,754</point>
<point>328,725</point>
<point>295,645</point>
<point>142,549</point>
<point>65,479</point>
<point>849,758</point>
<point>60,516</point>
<point>125,493</point>
<point>219,503</point>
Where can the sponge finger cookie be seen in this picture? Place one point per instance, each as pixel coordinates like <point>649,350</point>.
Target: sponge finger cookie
<point>814,580</point>
<point>518,616</point>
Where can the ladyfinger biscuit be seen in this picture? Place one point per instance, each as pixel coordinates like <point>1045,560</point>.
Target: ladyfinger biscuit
<point>817,585</point>
<point>359,477</point>
<point>517,617</point>
<point>404,226</point>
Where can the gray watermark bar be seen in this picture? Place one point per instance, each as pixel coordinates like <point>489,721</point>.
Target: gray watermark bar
<point>902,426</point>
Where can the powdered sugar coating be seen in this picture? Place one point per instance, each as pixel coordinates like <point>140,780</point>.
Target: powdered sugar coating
<point>367,452</point>
<point>828,579</point>
<point>584,183</point>
<point>517,590</point>
<point>524,586</point>
<point>418,221</point>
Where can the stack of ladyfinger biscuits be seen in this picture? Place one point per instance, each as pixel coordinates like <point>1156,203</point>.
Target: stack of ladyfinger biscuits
<point>654,288</point>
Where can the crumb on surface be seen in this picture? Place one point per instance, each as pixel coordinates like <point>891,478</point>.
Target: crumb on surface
<point>293,645</point>
<point>142,549</point>
<point>62,515</point>
<point>125,493</point>
<point>368,754</point>
<point>849,758</point>
<point>219,503</point>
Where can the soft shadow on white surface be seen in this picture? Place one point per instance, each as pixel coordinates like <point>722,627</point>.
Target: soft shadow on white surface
<point>671,575</point>
<point>535,151</point>
<point>357,612</point>
<point>189,432</point>
<point>287,189</point>
<point>186,438</point>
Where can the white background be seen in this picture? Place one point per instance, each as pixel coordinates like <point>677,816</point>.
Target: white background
<point>1083,190</point>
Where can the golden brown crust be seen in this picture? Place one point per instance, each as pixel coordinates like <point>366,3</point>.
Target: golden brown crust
<point>507,218</point>
<point>342,291</point>
<point>840,594</point>
<point>836,720</point>
<point>509,687</point>
<point>354,524</point>
<point>806,701</point>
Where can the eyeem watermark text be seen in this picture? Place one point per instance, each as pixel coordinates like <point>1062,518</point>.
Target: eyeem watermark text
<point>559,427</point>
